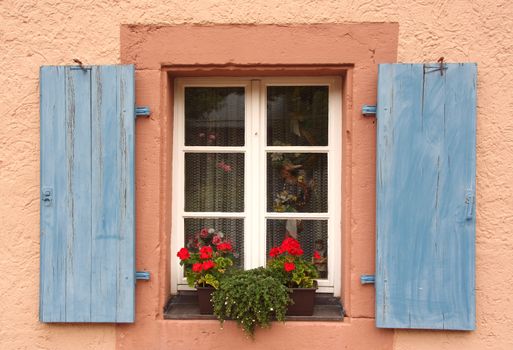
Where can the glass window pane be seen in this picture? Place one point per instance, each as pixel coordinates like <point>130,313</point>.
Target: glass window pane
<point>214,116</point>
<point>297,182</point>
<point>214,182</point>
<point>297,116</point>
<point>230,230</point>
<point>312,234</point>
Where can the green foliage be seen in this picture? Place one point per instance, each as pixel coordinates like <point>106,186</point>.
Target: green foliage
<point>252,298</point>
<point>204,277</point>
<point>303,275</point>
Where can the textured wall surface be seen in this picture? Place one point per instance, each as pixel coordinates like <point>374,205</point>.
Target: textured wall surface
<point>33,33</point>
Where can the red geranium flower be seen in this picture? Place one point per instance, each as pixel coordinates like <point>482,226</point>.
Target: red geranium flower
<point>288,266</point>
<point>197,267</point>
<point>275,251</point>
<point>224,246</point>
<point>206,252</point>
<point>207,265</point>
<point>183,254</point>
<point>316,255</point>
<point>297,251</point>
<point>289,244</point>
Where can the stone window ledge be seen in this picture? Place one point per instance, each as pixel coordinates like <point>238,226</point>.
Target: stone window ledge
<point>184,306</point>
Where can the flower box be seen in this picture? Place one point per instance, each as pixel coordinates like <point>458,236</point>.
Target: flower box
<point>204,300</point>
<point>304,301</point>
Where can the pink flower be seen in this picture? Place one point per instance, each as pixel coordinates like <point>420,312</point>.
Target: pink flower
<point>212,137</point>
<point>201,134</point>
<point>216,240</point>
<point>204,232</point>
<point>225,167</point>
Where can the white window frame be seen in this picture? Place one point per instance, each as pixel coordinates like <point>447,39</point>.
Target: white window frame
<point>255,146</point>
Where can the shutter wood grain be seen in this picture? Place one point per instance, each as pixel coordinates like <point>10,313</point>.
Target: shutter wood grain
<point>87,162</point>
<point>425,248</point>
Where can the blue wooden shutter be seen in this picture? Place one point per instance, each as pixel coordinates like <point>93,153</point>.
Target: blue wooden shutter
<point>425,196</point>
<point>87,194</point>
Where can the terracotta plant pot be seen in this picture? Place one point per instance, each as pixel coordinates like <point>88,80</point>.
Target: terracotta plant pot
<point>304,301</point>
<point>204,296</point>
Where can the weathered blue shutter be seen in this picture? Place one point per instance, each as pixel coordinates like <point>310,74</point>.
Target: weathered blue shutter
<point>425,196</point>
<point>87,194</point>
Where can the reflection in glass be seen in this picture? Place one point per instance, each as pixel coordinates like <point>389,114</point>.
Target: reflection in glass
<point>231,230</point>
<point>214,116</point>
<point>214,182</point>
<point>312,234</point>
<point>297,115</point>
<point>297,182</point>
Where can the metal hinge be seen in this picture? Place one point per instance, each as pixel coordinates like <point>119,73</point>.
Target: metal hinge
<point>368,110</point>
<point>142,275</point>
<point>142,111</point>
<point>367,279</point>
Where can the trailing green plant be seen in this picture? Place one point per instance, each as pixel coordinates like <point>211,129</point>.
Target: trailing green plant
<point>289,266</point>
<point>252,298</point>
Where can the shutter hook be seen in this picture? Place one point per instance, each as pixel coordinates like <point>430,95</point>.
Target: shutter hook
<point>79,62</point>
<point>441,61</point>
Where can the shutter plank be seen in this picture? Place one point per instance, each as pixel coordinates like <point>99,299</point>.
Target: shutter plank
<point>460,103</point>
<point>78,199</point>
<point>113,238</point>
<point>105,135</point>
<point>126,195</point>
<point>53,228</point>
<point>88,231</point>
<point>425,259</point>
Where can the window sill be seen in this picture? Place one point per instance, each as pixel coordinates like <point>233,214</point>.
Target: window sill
<point>184,306</point>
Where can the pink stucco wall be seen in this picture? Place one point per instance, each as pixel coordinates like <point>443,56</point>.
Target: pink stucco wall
<point>33,33</point>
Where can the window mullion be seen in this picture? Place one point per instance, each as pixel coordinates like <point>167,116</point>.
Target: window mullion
<point>252,228</point>
<point>262,162</point>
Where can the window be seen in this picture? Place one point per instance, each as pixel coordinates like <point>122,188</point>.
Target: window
<point>258,160</point>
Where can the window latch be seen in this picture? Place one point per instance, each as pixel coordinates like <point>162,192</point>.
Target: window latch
<point>469,204</point>
<point>47,196</point>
